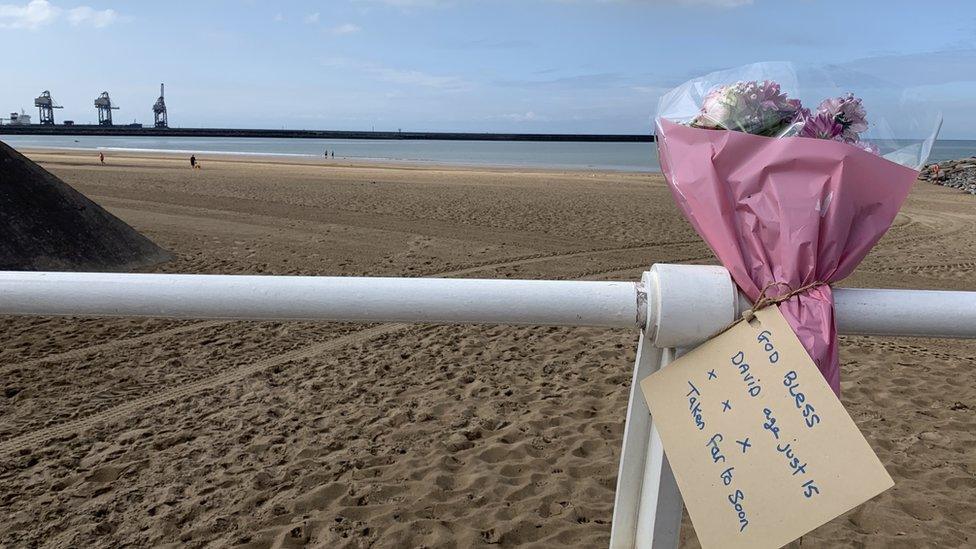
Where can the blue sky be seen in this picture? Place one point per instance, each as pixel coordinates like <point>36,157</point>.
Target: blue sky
<point>463,65</point>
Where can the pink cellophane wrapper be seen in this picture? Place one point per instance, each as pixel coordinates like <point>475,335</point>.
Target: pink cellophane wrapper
<point>793,210</point>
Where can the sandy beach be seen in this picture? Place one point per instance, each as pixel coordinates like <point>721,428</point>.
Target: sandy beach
<point>135,432</point>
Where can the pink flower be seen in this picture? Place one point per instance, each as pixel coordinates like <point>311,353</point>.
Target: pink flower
<point>848,111</point>
<point>821,126</point>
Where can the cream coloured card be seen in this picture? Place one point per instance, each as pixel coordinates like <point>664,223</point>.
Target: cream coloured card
<point>761,448</point>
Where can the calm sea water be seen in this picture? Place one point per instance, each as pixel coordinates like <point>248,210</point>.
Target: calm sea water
<point>640,157</point>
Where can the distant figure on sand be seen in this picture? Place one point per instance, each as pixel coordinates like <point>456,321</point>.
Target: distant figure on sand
<point>333,153</point>
<point>193,161</point>
<point>101,157</point>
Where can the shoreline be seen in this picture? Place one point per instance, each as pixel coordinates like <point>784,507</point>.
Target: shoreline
<point>314,160</point>
<point>128,130</point>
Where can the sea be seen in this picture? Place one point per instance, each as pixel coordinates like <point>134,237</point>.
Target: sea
<point>630,157</point>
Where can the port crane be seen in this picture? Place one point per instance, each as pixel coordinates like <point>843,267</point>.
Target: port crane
<point>159,111</point>
<point>46,105</point>
<point>104,105</point>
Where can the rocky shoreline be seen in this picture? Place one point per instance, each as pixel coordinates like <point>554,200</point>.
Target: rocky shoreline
<point>958,174</point>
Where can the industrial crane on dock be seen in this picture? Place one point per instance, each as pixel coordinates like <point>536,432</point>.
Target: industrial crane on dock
<point>46,105</point>
<point>159,111</point>
<point>104,105</point>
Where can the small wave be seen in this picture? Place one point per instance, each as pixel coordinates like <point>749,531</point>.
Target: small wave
<point>194,151</point>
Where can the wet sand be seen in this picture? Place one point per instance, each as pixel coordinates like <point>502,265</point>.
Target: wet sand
<point>141,432</point>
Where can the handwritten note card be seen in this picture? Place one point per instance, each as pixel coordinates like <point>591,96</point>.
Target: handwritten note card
<point>761,448</point>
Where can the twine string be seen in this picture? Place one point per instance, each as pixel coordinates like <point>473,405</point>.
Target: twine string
<point>765,301</point>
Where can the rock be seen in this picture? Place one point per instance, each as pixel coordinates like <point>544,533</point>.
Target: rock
<point>956,174</point>
<point>49,226</point>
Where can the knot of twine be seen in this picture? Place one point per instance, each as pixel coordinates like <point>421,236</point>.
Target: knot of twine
<point>765,300</point>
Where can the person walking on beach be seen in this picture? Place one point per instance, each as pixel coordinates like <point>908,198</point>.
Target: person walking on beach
<point>101,157</point>
<point>193,161</point>
<point>333,153</point>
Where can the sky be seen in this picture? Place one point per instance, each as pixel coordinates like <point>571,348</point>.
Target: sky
<point>584,66</point>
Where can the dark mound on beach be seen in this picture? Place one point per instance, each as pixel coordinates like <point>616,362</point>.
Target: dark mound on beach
<point>45,225</point>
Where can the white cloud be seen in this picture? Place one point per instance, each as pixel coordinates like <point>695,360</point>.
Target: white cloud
<point>412,3</point>
<point>709,3</point>
<point>651,90</point>
<point>345,28</point>
<point>713,3</point>
<point>440,3</point>
<point>400,76</point>
<point>417,78</point>
<point>312,18</point>
<point>38,13</point>
<point>529,116</point>
<point>85,15</point>
<point>31,15</point>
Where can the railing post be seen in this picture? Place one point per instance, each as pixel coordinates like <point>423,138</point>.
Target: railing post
<point>659,512</point>
<point>685,305</point>
<point>647,506</point>
<point>637,434</point>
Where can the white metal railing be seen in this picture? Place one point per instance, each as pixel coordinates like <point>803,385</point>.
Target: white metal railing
<point>676,319</point>
<point>325,298</point>
<point>674,307</point>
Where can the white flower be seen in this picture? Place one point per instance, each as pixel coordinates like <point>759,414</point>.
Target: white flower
<point>716,111</point>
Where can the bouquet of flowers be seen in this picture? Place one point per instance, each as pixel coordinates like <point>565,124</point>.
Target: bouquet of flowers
<point>787,197</point>
<point>760,108</point>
